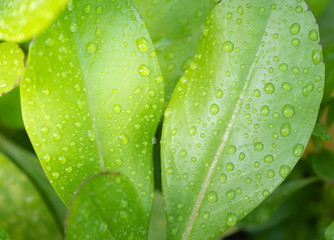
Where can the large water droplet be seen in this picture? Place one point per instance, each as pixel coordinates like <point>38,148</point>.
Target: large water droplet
<point>212,197</point>
<point>228,46</point>
<point>295,28</point>
<point>284,171</point>
<point>298,150</point>
<point>142,44</point>
<point>288,111</point>
<point>285,130</point>
<point>214,109</point>
<point>231,219</point>
<point>143,70</point>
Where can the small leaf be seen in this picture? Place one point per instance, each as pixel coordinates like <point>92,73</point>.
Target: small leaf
<point>92,97</point>
<point>22,19</point>
<point>323,165</point>
<point>23,212</point>
<point>321,131</point>
<point>329,233</point>
<point>11,66</point>
<point>241,115</point>
<point>3,234</point>
<point>317,6</point>
<point>158,223</point>
<point>329,82</point>
<point>106,206</point>
<point>175,27</point>
<point>265,210</point>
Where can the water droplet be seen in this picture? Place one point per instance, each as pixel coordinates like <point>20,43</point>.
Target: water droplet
<point>212,197</point>
<point>55,175</point>
<point>231,219</point>
<point>219,93</point>
<point>288,111</point>
<point>270,173</point>
<point>265,110</point>
<point>143,70</point>
<point>223,178</point>
<point>91,47</point>
<point>298,150</point>
<point>286,86</point>
<point>316,56</point>
<point>214,109</point>
<point>47,158</point>
<point>284,171</point>
<point>283,67</point>
<point>73,27</point>
<point>295,42</point>
<point>91,135</point>
<point>232,149</point>
<point>229,166</point>
<point>268,158</point>
<point>307,89</point>
<point>242,156</point>
<point>123,139</point>
<point>62,160</point>
<point>313,35</point>
<point>269,88</point>
<point>87,8</point>
<point>192,130</point>
<point>258,146</point>
<point>285,130</point>
<point>168,113</point>
<point>117,108</point>
<point>45,130</point>
<point>265,193</point>
<point>142,45</point>
<point>56,136</point>
<point>159,79</point>
<point>98,32</point>
<point>295,28</point>
<point>228,46</point>
<point>230,194</point>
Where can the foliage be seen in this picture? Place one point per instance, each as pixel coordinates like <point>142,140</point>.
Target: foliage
<point>243,85</point>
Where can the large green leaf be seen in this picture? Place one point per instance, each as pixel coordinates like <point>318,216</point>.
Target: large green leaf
<point>175,27</point>
<point>317,6</point>
<point>20,20</point>
<point>11,66</point>
<point>106,206</point>
<point>23,213</point>
<point>92,96</point>
<point>241,116</point>
<point>329,233</point>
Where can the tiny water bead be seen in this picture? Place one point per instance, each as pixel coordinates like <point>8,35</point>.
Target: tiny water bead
<point>212,197</point>
<point>91,47</point>
<point>269,88</point>
<point>313,35</point>
<point>143,70</point>
<point>284,171</point>
<point>214,109</point>
<point>142,45</point>
<point>298,150</point>
<point>288,111</point>
<point>295,28</point>
<point>228,46</point>
<point>285,130</point>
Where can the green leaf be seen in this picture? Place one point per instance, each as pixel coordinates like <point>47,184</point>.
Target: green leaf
<point>10,109</point>
<point>241,115</point>
<point>92,97</point>
<point>321,131</point>
<point>11,66</point>
<point>317,6</point>
<point>175,27</point>
<point>23,213</point>
<point>329,233</point>
<point>158,223</point>
<point>106,206</point>
<point>265,211</point>
<point>3,234</point>
<point>326,25</point>
<point>329,82</point>
<point>22,19</point>
<point>323,165</point>
<point>29,164</point>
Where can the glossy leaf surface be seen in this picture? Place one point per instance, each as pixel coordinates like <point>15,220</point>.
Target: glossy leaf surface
<point>20,20</point>
<point>106,206</point>
<point>92,96</point>
<point>23,213</point>
<point>329,233</point>
<point>241,116</point>
<point>11,66</point>
<point>175,27</point>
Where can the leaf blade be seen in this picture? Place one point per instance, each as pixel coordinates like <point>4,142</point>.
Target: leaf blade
<point>219,116</point>
<point>112,97</point>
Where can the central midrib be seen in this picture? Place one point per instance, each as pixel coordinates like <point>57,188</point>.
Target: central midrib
<point>89,98</point>
<point>224,140</point>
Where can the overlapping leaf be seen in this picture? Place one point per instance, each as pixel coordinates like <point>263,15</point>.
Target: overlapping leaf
<point>241,115</point>
<point>106,206</point>
<point>92,96</point>
<point>11,66</point>
<point>23,212</point>
<point>20,20</point>
<point>329,234</point>
<point>175,27</point>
